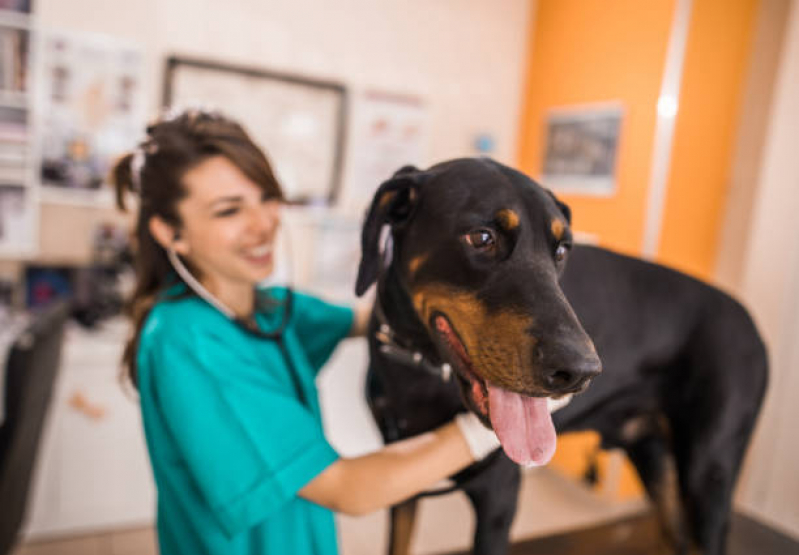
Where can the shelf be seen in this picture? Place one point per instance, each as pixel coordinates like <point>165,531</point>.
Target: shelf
<point>92,198</point>
<point>17,20</point>
<point>14,99</point>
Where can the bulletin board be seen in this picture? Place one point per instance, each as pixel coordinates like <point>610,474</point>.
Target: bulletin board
<point>92,111</point>
<point>298,121</point>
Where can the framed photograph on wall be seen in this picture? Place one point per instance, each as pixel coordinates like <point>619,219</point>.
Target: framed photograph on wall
<point>299,122</point>
<point>581,149</point>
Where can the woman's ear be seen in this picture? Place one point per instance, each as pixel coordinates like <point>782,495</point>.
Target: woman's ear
<point>167,235</point>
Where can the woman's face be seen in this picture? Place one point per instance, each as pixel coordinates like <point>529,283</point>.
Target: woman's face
<point>229,226</point>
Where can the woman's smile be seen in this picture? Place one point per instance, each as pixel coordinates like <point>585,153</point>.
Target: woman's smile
<point>260,255</point>
<point>229,229</point>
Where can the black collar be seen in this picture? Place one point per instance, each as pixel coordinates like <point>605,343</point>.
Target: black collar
<point>394,348</point>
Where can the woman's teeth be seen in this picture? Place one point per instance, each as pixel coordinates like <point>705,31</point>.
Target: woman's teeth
<point>258,252</point>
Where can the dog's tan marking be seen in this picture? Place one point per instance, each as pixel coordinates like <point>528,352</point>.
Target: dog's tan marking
<point>664,489</point>
<point>498,343</point>
<point>386,199</point>
<point>415,263</point>
<point>508,219</point>
<point>557,227</point>
<point>403,517</point>
<point>634,429</point>
<point>669,507</point>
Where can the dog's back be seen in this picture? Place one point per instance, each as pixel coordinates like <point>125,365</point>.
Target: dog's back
<point>685,372</point>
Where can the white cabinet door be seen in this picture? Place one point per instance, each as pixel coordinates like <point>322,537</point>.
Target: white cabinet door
<point>92,472</point>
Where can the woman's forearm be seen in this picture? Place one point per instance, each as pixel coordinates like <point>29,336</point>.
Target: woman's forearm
<point>398,471</point>
<point>360,321</point>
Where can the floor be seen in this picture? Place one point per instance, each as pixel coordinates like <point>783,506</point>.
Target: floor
<point>548,504</point>
<point>561,519</point>
<point>637,536</point>
<point>121,542</point>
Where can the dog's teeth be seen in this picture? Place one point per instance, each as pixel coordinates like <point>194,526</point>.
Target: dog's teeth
<point>446,371</point>
<point>557,404</point>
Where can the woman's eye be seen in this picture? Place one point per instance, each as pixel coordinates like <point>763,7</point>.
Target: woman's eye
<point>481,239</point>
<point>561,251</point>
<point>226,212</point>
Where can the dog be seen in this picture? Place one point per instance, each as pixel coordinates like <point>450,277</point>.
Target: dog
<point>484,304</point>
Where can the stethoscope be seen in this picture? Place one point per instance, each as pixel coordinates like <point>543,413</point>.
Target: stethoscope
<point>250,326</point>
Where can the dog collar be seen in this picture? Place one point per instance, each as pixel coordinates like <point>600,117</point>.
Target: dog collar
<point>392,347</point>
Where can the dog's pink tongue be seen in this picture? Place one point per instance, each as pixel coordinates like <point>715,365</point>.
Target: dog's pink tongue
<point>523,426</point>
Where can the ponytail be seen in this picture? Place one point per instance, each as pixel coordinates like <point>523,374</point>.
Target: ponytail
<point>150,265</point>
<point>122,179</point>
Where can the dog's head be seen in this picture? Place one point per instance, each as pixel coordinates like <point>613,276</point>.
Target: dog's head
<point>478,248</point>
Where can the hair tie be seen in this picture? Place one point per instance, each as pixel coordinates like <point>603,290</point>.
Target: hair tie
<point>136,165</point>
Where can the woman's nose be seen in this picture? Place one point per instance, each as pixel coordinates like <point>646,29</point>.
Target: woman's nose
<point>265,218</point>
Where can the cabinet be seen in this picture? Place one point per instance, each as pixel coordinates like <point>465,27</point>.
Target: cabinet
<point>92,472</point>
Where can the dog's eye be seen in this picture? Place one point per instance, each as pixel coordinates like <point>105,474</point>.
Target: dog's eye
<point>481,239</point>
<point>562,251</point>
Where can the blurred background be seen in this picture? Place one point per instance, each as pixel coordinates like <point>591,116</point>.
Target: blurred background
<point>669,126</point>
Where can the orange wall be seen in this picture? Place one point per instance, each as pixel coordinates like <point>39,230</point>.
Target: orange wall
<point>590,51</point>
<point>717,55</point>
<point>594,51</point>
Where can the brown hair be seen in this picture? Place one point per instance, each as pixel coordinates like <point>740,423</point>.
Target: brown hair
<point>154,172</point>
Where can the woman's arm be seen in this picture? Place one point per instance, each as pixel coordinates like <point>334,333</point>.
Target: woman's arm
<point>398,471</point>
<point>360,321</point>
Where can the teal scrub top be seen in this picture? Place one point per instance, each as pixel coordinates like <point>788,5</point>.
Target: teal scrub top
<point>232,434</point>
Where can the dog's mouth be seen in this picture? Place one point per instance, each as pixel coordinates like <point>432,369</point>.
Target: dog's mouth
<point>522,423</point>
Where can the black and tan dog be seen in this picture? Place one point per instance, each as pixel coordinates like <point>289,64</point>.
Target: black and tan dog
<point>476,284</point>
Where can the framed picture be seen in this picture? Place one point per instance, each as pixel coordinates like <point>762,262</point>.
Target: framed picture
<point>299,122</point>
<point>581,149</point>
<point>92,111</point>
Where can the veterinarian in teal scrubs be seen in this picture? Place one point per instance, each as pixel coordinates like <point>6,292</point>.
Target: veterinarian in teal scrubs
<point>226,370</point>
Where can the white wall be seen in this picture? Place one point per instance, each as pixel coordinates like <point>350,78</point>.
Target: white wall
<point>770,287</point>
<point>464,58</point>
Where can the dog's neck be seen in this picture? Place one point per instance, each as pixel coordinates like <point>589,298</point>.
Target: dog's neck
<point>401,316</point>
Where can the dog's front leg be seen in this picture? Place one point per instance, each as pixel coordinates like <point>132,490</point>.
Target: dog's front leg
<point>494,495</point>
<point>403,517</point>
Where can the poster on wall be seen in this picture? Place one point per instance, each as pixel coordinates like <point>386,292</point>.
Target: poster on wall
<point>298,121</point>
<point>389,131</point>
<point>581,149</point>
<point>15,218</point>
<point>92,109</point>
<point>336,257</point>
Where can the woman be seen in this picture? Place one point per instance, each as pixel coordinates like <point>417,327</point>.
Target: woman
<point>226,371</point>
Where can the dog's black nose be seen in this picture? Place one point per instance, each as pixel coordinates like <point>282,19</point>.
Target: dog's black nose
<point>572,378</point>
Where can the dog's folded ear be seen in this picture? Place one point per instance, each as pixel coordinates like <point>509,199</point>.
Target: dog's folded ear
<point>393,205</point>
<point>567,212</point>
